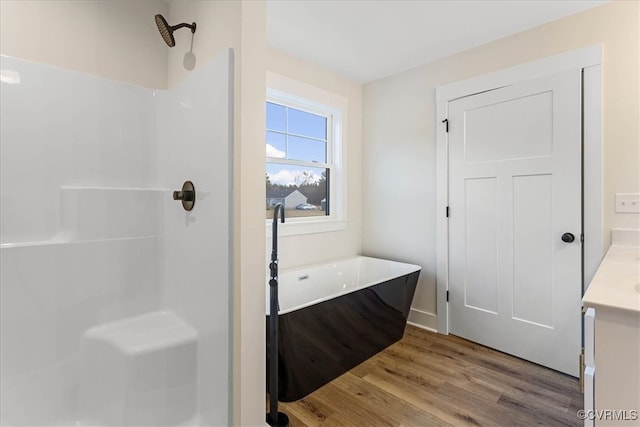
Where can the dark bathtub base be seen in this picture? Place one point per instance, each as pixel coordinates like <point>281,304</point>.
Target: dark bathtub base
<point>319,343</point>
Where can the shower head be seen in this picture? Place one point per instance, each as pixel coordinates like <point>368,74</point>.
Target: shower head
<point>166,30</point>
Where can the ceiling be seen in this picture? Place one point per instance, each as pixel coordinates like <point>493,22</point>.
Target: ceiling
<point>366,40</point>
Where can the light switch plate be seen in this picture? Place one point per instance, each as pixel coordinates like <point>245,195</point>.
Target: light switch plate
<point>627,203</point>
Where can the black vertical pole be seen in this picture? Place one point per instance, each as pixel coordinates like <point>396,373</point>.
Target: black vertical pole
<point>273,357</point>
<point>274,418</point>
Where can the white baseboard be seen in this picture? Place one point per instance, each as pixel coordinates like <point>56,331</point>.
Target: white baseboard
<point>423,320</point>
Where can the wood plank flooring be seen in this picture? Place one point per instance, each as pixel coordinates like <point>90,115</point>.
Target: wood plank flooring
<point>428,379</point>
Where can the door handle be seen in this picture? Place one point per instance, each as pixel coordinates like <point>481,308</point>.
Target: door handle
<point>568,237</point>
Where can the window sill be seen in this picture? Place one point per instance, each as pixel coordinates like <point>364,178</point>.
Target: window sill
<point>294,228</point>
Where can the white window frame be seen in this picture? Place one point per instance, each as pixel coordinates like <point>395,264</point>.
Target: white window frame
<point>291,93</point>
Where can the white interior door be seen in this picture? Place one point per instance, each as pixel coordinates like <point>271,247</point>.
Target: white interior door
<point>515,190</point>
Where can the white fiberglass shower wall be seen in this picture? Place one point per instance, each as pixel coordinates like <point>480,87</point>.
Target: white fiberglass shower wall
<point>115,302</point>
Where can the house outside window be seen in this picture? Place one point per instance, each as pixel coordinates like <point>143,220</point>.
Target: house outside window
<point>303,170</point>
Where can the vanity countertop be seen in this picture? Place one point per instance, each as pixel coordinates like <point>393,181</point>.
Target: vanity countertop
<point>616,284</point>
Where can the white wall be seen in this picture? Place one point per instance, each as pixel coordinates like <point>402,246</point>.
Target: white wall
<point>111,39</point>
<point>399,169</point>
<point>331,245</point>
<point>218,28</point>
<point>400,132</point>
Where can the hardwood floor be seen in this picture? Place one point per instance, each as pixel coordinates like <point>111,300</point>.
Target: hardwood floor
<point>427,379</point>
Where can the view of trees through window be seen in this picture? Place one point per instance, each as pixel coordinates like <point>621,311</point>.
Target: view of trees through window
<point>298,162</point>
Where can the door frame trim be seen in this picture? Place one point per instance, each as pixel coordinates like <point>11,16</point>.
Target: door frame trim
<point>589,59</point>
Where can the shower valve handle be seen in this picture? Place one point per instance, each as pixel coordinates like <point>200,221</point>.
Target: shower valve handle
<point>187,195</point>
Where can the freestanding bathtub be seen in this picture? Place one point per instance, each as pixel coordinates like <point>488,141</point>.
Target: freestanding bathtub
<point>335,315</point>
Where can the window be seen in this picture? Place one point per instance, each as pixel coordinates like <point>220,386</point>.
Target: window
<point>302,152</point>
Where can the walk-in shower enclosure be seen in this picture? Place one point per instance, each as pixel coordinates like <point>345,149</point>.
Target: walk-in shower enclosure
<point>115,301</point>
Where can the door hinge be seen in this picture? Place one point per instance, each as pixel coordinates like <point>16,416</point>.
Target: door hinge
<point>446,125</point>
<point>447,296</point>
<point>447,211</point>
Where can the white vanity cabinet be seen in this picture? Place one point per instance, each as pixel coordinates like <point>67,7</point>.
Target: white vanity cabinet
<point>589,364</point>
<point>612,382</point>
<point>612,340</point>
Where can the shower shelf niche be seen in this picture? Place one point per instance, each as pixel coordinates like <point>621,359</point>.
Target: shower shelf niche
<point>105,213</point>
<point>97,213</point>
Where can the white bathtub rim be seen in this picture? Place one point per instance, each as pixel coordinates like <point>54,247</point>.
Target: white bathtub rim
<point>411,268</point>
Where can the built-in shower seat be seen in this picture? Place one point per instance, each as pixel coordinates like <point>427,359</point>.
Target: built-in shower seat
<point>139,371</point>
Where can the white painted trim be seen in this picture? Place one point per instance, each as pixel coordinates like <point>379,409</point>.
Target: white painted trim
<point>442,222</point>
<point>582,58</point>
<point>595,241</point>
<point>292,228</point>
<point>422,319</point>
